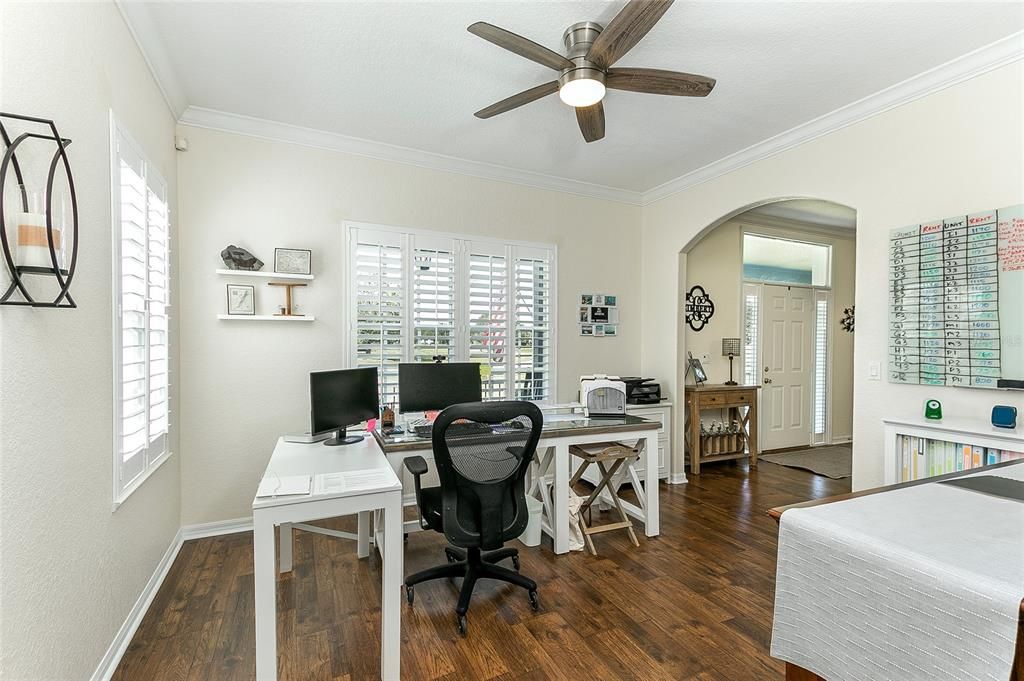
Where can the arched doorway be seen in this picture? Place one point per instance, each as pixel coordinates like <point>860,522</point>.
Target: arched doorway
<point>781,274</point>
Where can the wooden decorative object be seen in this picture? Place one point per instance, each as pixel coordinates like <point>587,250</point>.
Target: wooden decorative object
<point>725,446</point>
<point>288,286</point>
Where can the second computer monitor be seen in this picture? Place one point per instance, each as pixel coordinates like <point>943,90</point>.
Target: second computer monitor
<point>424,387</point>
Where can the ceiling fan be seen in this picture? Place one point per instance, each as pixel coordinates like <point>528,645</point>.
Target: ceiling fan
<point>585,70</point>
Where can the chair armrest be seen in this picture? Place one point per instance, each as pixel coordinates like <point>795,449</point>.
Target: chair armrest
<point>415,465</point>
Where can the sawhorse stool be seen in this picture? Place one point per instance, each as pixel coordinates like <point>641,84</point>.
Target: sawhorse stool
<point>601,454</point>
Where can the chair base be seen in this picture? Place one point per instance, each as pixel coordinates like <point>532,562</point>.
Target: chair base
<point>473,565</point>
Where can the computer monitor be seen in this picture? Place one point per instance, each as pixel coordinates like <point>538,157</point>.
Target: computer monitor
<point>423,387</point>
<point>339,399</point>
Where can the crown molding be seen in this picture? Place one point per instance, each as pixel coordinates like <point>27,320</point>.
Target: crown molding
<point>144,31</point>
<point>331,141</point>
<point>965,67</point>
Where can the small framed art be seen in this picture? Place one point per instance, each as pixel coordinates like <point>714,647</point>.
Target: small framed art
<point>293,261</point>
<point>241,299</point>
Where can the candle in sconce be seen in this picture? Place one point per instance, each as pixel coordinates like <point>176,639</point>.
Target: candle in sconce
<point>33,246</point>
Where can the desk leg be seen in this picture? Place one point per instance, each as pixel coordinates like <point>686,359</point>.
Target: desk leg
<point>287,545</point>
<point>363,535</point>
<point>391,582</point>
<point>266,597</point>
<point>560,500</point>
<point>651,520</point>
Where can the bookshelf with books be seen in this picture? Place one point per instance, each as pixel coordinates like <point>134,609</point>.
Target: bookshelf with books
<point>917,448</point>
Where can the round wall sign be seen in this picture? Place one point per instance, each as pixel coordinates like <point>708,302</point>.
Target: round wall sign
<point>699,309</point>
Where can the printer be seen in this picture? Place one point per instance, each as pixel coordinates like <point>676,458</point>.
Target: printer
<point>641,390</point>
<point>603,395</point>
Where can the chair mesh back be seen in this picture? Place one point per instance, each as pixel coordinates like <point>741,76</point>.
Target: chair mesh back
<point>487,457</point>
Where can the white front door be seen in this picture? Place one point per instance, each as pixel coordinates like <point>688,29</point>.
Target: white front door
<point>787,334</point>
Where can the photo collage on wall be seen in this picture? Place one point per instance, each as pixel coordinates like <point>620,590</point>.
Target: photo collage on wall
<point>598,315</point>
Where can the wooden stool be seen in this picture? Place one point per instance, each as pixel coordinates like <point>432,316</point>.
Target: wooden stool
<point>601,454</point>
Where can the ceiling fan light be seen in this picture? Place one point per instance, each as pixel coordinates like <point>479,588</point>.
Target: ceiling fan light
<point>582,92</point>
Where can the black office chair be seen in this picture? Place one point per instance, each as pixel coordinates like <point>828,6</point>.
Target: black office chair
<point>481,502</point>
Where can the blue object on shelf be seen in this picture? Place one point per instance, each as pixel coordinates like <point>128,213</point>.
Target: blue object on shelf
<point>1004,416</point>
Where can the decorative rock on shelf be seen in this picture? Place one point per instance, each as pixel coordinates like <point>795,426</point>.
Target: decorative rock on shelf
<point>237,258</point>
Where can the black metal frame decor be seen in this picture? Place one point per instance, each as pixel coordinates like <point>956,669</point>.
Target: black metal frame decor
<point>10,161</point>
<point>698,308</point>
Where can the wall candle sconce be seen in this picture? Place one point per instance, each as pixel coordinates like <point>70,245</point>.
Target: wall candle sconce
<point>37,220</point>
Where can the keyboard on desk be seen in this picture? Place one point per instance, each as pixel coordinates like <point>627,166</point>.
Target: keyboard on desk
<point>424,428</point>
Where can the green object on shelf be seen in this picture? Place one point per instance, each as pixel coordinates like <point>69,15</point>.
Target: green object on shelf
<point>933,410</point>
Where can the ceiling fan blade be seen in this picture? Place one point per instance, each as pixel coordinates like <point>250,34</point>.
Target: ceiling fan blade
<point>591,120</point>
<point>518,99</point>
<point>625,30</point>
<point>520,45</point>
<point>658,82</point>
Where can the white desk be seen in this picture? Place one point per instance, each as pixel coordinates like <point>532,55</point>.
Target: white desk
<point>553,462</point>
<point>385,495</point>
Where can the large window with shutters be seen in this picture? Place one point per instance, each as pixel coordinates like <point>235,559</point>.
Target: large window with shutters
<point>141,244</point>
<point>419,296</point>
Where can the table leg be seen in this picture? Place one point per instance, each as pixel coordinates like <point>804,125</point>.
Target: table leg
<point>391,582</point>
<point>265,596</point>
<point>752,431</point>
<point>694,436</point>
<point>363,534</point>
<point>651,519</point>
<point>286,545</point>
<point>560,500</point>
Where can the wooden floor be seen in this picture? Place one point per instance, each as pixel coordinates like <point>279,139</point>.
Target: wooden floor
<point>694,603</point>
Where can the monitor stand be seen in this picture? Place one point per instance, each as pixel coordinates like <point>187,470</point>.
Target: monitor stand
<point>340,439</point>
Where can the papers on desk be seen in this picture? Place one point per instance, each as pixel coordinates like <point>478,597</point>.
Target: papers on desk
<point>283,486</point>
<point>354,481</point>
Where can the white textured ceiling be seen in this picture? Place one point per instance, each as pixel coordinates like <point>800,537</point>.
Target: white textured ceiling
<point>409,74</point>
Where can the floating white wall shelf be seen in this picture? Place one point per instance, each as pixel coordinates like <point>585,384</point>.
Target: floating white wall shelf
<point>265,318</point>
<point>264,275</point>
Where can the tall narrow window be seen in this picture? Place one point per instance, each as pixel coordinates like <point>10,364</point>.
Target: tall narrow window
<point>820,366</point>
<point>141,282</point>
<point>532,327</point>
<point>488,316</point>
<point>379,311</point>
<point>751,302</point>
<point>433,303</point>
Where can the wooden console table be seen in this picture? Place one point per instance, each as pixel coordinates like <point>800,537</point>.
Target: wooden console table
<point>726,397</point>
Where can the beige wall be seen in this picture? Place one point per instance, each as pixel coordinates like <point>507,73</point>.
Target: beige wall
<point>955,151</point>
<point>715,262</point>
<point>70,569</point>
<point>245,383</point>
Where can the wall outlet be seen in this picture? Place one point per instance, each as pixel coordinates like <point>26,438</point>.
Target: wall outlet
<point>874,371</point>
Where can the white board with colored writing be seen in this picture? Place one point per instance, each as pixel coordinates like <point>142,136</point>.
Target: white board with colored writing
<point>956,296</point>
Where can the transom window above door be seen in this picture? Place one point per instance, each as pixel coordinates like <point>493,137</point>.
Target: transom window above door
<point>786,261</point>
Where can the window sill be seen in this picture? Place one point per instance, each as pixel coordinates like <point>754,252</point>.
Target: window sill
<point>138,482</point>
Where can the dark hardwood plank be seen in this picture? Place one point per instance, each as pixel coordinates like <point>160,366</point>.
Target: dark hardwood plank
<point>694,603</point>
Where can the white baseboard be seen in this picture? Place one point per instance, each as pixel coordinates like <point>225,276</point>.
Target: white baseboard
<point>841,439</point>
<point>131,624</point>
<point>216,528</point>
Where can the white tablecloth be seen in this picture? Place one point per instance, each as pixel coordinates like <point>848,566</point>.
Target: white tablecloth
<point>922,583</point>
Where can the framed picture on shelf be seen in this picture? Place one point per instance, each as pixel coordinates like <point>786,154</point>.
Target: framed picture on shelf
<point>241,299</point>
<point>694,365</point>
<point>293,261</point>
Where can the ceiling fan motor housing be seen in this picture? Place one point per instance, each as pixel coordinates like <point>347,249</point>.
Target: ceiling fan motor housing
<point>577,39</point>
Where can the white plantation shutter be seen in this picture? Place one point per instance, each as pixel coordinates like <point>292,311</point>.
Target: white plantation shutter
<point>532,324</point>
<point>141,278</point>
<point>433,299</point>
<point>379,305</point>
<point>751,320</point>
<point>488,316</point>
<point>417,295</point>
<point>820,367</point>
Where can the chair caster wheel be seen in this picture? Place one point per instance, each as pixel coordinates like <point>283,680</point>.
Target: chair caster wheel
<point>534,601</point>
<point>410,594</point>
<point>461,624</point>
<point>515,563</point>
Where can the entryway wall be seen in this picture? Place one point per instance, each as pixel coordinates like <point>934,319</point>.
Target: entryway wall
<point>716,263</point>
